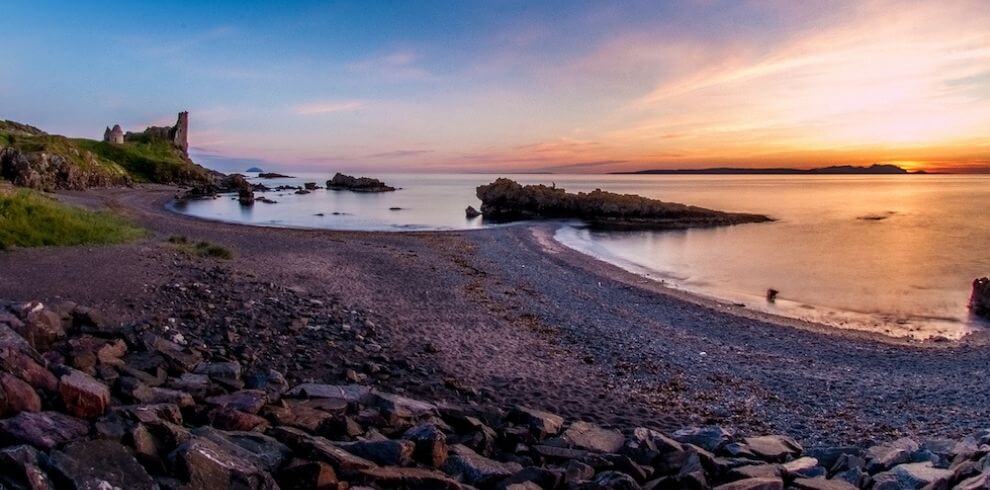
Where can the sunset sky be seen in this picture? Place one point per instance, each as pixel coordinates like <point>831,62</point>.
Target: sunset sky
<point>515,86</point>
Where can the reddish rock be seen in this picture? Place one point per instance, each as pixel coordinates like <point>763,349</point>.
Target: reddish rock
<point>543,424</point>
<point>754,484</point>
<point>17,357</point>
<point>42,328</point>
<point>410,478</point>
<point>773,448</point>
<point>83,395</point>
<point>431,444</point>
<point>320,449</point>
<point>155,395</point>
<point>249,401</point>
<point>585,435</point>
<point>43,430</point>
<point>305,475</point>
<point>229,419</point>
<point>18,396</point>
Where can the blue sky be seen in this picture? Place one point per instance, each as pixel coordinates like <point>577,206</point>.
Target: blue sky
<point>492,86</point>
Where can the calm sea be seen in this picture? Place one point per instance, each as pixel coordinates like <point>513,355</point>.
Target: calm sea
<point>893,254</point>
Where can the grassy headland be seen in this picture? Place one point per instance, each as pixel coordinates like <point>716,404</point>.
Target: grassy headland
<point>30,219</point>
<point>140,159</point>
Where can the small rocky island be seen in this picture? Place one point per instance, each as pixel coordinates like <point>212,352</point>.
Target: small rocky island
<point>341,182</point>
<point>505,199</point>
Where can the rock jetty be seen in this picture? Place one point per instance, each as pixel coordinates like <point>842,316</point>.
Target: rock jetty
<point>357,184</point>
<point>505,199</point>
<point>90,403</point>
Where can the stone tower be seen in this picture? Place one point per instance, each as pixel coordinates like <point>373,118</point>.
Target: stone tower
<point>180,135</point>
<point>115,135</point>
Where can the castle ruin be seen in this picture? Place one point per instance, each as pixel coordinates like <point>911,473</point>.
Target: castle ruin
<point>115,135</point>
<point>178,134</point>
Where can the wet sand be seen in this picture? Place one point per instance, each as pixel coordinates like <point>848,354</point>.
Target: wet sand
<point>507,315</point>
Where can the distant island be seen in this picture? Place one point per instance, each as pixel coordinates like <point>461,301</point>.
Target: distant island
<point>879,169</point>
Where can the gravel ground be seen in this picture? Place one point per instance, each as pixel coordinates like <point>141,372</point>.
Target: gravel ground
<point>508,316</point>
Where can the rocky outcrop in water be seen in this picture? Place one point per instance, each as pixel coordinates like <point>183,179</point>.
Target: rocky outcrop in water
<point>90,403</point>
<point>505,199</point>
<point>357,184</point>
<point>979,302</point>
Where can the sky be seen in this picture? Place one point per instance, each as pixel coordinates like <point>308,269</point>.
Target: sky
<point>499,86</point>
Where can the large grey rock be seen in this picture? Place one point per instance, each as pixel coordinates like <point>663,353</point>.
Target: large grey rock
<point>261,450</point>
<point>754,484</point>
<point>911,476</point>
<point>476,469</point>
<point>348,393</point>
<point>543,424</point>
<point>43,430</point>
<point>886,456</point>
<point>204,464</point>
<point>320,449</point>
<point>588,436</point>
<point>774,447</point>
<point>98,465</point>
<point>21,467</point>
<point>709,438</point>
<point>386,453</point>
<point>822,484</point>
<point>409,478</point>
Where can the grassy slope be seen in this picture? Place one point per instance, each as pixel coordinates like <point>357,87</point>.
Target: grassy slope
<point>29,219</point>
<point>144,161</point>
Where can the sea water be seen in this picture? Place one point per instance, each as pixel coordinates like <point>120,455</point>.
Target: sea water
<point>890,254</point>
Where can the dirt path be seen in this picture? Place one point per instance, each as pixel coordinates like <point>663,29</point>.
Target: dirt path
<point>493,315</point>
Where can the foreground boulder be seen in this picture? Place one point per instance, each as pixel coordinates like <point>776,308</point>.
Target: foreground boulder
<point>154,409</point>
<point>99,464</point>
<point>357,184</point>
<point>507,200</point>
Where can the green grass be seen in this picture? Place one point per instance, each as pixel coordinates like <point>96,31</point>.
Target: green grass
<point>200,248</point>
<point>29,219</point>
<point>143,160</point>
<point>147,161</point>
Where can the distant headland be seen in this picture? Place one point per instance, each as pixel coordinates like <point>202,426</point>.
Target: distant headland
<point>878,169</point>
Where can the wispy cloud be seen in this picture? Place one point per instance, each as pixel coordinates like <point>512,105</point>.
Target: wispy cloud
<point>400,154</point>
<point>398,65</point>
<point>328,107</point>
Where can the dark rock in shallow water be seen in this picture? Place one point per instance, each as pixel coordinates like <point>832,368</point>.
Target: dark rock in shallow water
<point>273,175</point>
<point>979,302</point>
<point>507,200</point>
<point>357,184</point>
<point>470,212</point>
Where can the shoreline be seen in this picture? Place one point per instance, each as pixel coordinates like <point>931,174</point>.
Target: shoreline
<point>615,272</point>
<point>508,316</point>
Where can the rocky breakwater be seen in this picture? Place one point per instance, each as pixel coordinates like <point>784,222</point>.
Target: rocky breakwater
<point>88,403</point>
<point>505,199</point>
<point>341,182</point>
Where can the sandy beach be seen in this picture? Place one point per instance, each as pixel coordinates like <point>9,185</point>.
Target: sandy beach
<point>507,315</point>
